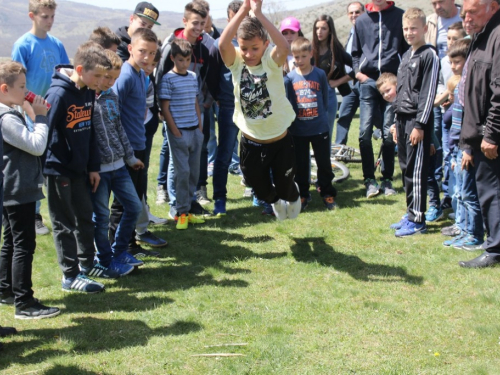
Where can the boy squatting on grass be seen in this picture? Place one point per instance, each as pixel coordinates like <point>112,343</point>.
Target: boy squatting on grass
<point>261,110</point>
<point>418,72</point>
<point>307,90</point>
<point>115,150</point>
<point>178,93</point>
<point>72,162</point>
<point>22,187</point>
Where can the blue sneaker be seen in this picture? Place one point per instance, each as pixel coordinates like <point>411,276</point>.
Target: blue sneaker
<point>433,214</point>
<point>220,207</point>
<point>400,223</point>
<point>126,258</point>
<point>121,268</point>
<point>256,202</point>
<point>451,241</point>
<point>410,228</point>
<point>469,243</point>
<point>268,209</point>
<point>81,283</point>
<point>98,270</point>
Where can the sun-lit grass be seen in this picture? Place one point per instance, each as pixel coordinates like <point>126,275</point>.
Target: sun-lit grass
<point>328,293</point>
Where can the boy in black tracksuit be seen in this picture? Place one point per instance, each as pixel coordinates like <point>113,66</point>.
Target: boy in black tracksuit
<point>416,88</point>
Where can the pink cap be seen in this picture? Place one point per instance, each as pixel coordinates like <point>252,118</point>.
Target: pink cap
<point>290,23</point>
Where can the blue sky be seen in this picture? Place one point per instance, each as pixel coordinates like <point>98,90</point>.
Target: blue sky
<point>217,7</point>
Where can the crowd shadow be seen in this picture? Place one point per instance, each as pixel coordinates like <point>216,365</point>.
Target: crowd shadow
<point>88,335</point>
<point>70,370</point>
<point>316,250</point>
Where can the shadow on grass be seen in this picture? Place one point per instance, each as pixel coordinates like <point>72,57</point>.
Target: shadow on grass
<point>73,370</point>
<point>87,335</point>
<point>316,250</point>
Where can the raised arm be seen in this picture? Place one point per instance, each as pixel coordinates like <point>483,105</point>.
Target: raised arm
<point>281,46</point>
<point>226,48</point>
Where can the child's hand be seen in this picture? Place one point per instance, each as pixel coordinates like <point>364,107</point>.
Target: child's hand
<point>467,160</point>
<point>246,4</point>
<point>39,106</point>
<point>138,165</point>
<point>416,136</point>
<point>394,133</point>
<point>433,150</point>
<point>256,6</point>
<point>94,180</point>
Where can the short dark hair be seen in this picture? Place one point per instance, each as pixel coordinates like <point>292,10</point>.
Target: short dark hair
<point>90,55</point>
<point>195,7</point>
<point>234,6</point>
<point>180,47</point>
<point>250,28</point>
<point>459,26</point>
<point>459,48</point>
<point>9,71</point>
<point>356,2</point>
<point>143,33</point>
<point>301,44</point>
<point>386,78</point>
<point>105,37</point>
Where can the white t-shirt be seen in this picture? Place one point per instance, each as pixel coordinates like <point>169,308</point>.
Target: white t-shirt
<point>261,108</point>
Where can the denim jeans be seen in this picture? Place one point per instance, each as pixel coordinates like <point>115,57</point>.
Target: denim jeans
<point>468,199</point>
<point>164,158</point>
<point>212,141</point>
<point>375,111</point>
<point>438,131</point>
<point>151,128</point>
<point>203,165</point>
<point>228,134</point>
<point>446,163</point>
<point>16,257</point>
<point>120,183</point>
<point>332,110</point>
<point>348,108</point>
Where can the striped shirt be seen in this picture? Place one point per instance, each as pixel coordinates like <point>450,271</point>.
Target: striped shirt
<point>181,91</point>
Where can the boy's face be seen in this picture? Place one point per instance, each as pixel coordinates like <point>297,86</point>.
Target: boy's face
<point>109,79</point>
<point>137,22</point>
<point>142,52</point>
<point>414,32</point>
<point>302,60</point>
<point>453,36</point>
<point>91,78</point>
<point>457,65</point>
<point>44,19</point>
<point>15,94</point>
<point>150,68</point>
<point>193,26</point>
<point>290,36</point>
<point>252,50</point>
<point>181,63</point>
<point>388,91</point>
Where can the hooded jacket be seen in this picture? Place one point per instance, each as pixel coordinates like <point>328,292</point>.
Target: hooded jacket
<point>122,51</point>
<point>482,88</point>
<point>378,42</point>
<point>22,149</point>
<point>72,146</point>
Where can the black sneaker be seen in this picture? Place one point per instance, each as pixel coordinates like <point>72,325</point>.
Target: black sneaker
<point>36,311</point>
<point>40,228</point>
<point>198,210</point>
<point>6,299</point>
<point>446,203</point>
<point>139,252</point>
<point>150,239</point>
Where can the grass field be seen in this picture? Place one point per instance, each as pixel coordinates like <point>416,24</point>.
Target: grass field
<point>328,293</point>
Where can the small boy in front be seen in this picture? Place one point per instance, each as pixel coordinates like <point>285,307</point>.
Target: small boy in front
<point>178,93</point>
<point>115,151</point>
<point>22,187</point>
<point>261,110</point>
<point>72,162</point>
<point>307,88</point>
<point>416,89</point>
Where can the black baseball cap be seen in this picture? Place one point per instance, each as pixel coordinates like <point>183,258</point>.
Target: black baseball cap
<point>148,11</point>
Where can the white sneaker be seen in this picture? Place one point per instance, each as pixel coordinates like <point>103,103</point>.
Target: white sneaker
<point>154,220</point>
<point>161,195</point>
<point>202,196</point>
<point>293,209</point>
<point>279,209</point>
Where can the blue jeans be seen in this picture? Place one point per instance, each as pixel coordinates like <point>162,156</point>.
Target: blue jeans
<point>446,162</point>
<point>212,141</point>
<point>332,110</point>
<point>468,200</point>
<point>164,159</point>
<point>348,108</point>
<point>151,127</point>
<point>120,183</point>
<point>228,134</point>
<point>375,111</point>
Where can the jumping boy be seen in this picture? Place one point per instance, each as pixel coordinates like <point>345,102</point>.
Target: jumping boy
<point>22,187</point>
<point>261,110</point>
<point>417,73</point>
<point>179,103</point>
<point>307,88</point>
<point>39,52</point>
<point>115,151</point>
<point>72,162</point>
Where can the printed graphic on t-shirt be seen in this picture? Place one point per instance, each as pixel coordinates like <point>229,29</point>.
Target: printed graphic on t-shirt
<point>255,99</point>
<point>307,100</point>
<point>48,61</point>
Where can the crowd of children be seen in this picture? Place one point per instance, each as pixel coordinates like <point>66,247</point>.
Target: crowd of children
<point>96,138</point>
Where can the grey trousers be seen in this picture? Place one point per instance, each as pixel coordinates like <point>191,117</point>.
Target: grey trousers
<point>185,153</point>
<point>70,209</point>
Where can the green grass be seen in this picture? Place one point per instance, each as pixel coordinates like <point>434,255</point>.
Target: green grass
<point>328,293</point>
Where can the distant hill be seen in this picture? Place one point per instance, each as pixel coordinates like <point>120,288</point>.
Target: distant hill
<point>73,27</point>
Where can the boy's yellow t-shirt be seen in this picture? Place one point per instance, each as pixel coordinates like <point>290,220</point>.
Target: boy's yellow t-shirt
<point>262,109</point>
